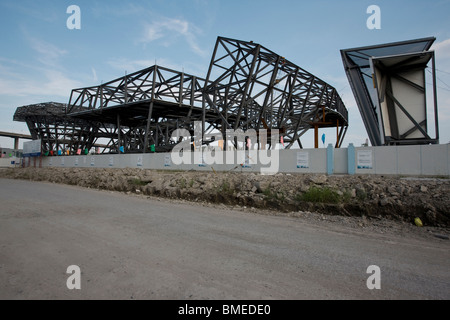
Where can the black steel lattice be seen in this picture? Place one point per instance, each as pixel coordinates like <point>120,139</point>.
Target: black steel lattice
<point>247,87</point>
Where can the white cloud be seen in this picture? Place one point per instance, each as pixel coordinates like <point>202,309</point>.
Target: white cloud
<point>47,53</point>
<point>159,29</point>
<point>130,66</point>
<point>169,30</point>
<point>50,83</point>
<point>46,78</point>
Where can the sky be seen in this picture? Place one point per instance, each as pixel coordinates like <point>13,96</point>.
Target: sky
<point>42,60</point>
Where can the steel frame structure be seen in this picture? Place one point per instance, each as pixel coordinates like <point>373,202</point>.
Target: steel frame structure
<point>255,88</point>
<point>247,87</point>
<point>49,122</point>
<point>141,109</point>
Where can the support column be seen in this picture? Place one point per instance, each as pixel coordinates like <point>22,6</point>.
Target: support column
<point>337,133</point>
<point>436,112</point>
<point>147,129</point>
<point>330,159</point>
<point>351,167</point>
<point>204,118</point>
<point>118,133</point>
<point>316,136</point>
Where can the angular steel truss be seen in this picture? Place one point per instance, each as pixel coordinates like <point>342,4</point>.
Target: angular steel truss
<point>141,109</point>
<point>251,87</point>
<point>49,122</point>
<point>247,87</point>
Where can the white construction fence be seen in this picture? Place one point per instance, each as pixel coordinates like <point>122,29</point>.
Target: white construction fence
<point>425,160</point>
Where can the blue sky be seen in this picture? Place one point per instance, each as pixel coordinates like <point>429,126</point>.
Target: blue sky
<point>42,60</point>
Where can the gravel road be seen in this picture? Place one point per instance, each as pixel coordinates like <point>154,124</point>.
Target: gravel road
<point>136,247</point>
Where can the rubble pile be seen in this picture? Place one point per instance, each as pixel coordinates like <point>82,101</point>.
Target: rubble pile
<point>372,196</point>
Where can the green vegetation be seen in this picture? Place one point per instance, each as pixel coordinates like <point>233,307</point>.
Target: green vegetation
<point>361,195</point>
<point>137,182</point>
<point>225,188</point>
<point>182,183</point>
<point>323,195</point>
<point>270,195</point>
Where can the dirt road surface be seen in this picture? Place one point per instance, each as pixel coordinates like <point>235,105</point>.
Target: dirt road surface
<point>135,247</point>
